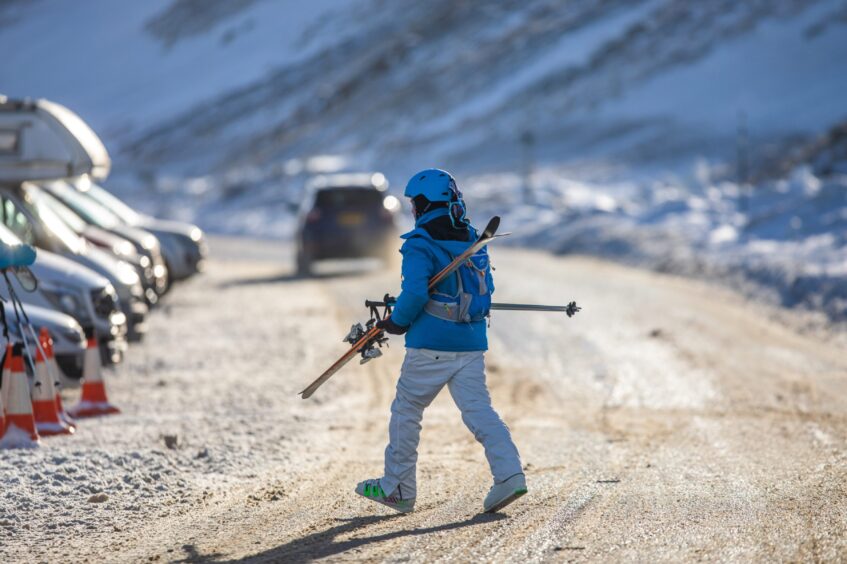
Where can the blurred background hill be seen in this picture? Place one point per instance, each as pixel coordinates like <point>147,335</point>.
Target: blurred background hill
<point>698,137</point>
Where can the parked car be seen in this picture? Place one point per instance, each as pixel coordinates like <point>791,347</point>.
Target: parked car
<point>72,289</point>
<point>99,216</point>
<point>68,338</point>
<point>183,245</point>
<point>36,224</point>
<point>106,240</point>
<point>345,216</point>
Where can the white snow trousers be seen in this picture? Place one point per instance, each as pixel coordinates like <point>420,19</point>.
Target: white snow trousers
<point>423,375</point>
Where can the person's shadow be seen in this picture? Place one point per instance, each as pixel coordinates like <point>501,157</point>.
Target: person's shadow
<point>323,544</point>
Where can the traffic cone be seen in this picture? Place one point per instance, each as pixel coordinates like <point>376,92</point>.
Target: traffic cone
<point>20,424</point>
<point>53,367</point>
<point>5,375</point>
<point>47,420</point>
<point>3,380</point>
<point>93,401</point>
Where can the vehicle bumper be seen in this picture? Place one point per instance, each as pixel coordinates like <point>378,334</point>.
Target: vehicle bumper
<point>355,245</point>
<point>185,257</point>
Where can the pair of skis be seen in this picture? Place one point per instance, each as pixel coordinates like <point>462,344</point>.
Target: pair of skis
<point>364,339</point>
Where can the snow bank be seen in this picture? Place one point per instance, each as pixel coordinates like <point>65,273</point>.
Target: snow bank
<point>783,240</point>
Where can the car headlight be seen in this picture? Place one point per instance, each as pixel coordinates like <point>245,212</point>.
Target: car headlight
<point>71,334</point>
<point>67,301</point>
<point>149,242</point>
<point>109,290</point>
<point>391,203</point>
<point>126,274</point>
<point>124,249</point>
<point>196,234</point>
<point>105,301</point>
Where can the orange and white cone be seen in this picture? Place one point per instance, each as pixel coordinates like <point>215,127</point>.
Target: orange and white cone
<point>3,380</point>
<point>94,400</point>
<point>47,421</point>
<point>53,367</point>
<point>4,388</point>
<point>20,424</point>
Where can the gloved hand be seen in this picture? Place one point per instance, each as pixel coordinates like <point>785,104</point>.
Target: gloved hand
<point>389,326</point>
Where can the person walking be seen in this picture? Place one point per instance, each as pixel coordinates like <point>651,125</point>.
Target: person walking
<point>446,341</point>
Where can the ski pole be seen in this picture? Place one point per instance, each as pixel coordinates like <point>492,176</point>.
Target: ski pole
<point>569,309</point>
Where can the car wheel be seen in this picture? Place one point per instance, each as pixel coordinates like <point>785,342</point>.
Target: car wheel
<point>304,264</point>
<point>169,279</point>
<point>71,366</point>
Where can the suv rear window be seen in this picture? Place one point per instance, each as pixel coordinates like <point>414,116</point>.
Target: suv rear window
<point>348,197</point>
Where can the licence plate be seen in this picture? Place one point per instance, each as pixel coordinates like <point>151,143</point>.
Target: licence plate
<point>351,219</point>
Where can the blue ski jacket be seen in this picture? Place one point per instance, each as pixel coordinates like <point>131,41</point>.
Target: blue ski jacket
<point>423,258</point>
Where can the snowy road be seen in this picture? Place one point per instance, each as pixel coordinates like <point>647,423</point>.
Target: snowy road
<point>668,421</point>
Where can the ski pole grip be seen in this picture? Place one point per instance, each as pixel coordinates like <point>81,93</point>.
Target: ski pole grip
<point>387,300</point>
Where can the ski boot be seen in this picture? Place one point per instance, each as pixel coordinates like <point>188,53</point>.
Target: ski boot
<point>502,494</point>
<point>373,491</point>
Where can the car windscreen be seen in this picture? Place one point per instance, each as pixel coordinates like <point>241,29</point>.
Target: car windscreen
<point>68,215</point>
<point>57,227</point>
<point>348,197</point>
<point>85,207</point>
<point>116,206</point>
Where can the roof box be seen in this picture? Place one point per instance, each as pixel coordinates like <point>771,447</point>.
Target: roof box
<point>41,140</point>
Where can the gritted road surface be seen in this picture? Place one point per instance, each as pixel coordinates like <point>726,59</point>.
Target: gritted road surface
<point>667,421</point>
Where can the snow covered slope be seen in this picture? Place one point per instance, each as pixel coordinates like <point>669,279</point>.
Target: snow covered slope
<point>128,66</point>
<point>193,87</point>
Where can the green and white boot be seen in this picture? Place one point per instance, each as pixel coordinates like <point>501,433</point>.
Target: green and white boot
<point>502,494</point>
<point>373,491</point>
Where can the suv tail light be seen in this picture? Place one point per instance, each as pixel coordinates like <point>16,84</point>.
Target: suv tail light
<point>313,216</point>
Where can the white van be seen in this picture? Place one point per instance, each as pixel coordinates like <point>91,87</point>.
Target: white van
<point>40,141</point>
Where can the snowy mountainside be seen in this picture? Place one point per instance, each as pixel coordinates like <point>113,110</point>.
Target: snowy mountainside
<point>640,81</point>
<point>192,87</point>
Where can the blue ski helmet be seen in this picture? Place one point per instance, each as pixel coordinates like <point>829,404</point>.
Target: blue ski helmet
<point>438,185</point>
<point>434,184</point>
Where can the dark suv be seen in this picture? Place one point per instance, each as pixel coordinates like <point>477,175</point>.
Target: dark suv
<point>345,216</point>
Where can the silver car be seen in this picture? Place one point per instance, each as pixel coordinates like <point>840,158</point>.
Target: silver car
<point>74,290</point>
<point>183,244</point>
